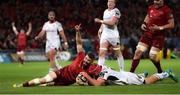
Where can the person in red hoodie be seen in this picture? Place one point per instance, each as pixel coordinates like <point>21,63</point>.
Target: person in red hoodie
<point>21,40</point>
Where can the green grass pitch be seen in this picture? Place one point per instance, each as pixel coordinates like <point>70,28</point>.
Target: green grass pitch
<point>14,73</point>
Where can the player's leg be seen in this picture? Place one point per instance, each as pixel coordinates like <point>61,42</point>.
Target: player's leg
<point>58,59</point>
<point>51,56</point>
<point>21,55</point>
<point>37,81</point>
<point>153,56</point>
<point>157,45</point>
<point>158,76</point>
<point>140,49</point>
<point>119,56</point>
<point>102,52</point>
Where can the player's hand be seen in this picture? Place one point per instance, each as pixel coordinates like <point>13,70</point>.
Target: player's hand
<point>30,24</point>
<point>155,28</point>
<point>36,38</point>
<point>84,74</point>
<point>66,46</point>
<point>144,27</point>
<point>78,27</point>
<point>97,20</point>
<point>13,23</point>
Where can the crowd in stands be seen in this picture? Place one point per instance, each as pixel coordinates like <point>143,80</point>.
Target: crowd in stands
<point>72,12</point>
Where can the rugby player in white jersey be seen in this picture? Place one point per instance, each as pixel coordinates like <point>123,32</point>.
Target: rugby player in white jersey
<point>53,30</point>
<point>108,76</point>
<point>109,34</point>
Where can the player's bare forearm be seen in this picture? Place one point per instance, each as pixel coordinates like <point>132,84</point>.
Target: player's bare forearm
<point>64,39</point>
<point>40,35</point>
<point>111,22</point>
<point>14,28</point>
<point>63,36</point>
<point>29,28</point>
<point>78,38</point>
<point>146,19</point>
<point>170,25</point>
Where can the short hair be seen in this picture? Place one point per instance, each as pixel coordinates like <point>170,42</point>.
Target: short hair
<point>91,55</point>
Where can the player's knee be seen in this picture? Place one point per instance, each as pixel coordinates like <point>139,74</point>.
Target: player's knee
<point>48,77</point>
<point>138,54</point>
<point>102,52</point>
<point>153,55</point>
<point>141,48</point>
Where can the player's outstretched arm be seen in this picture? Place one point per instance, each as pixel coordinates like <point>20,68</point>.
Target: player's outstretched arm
<point>29,28</point>
<point>78,38</point>
<point>14,28</point>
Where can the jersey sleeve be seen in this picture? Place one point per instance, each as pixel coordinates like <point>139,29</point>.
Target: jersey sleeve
<point>59,26</point>
<point>116,13</point>
<point>44,26</point>
<point>79,58</point>
<point>103,75</point>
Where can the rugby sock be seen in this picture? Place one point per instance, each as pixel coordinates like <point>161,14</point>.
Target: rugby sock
<point>21,60</point>
<point>51,69</point>
<point>120,60</point>
<point>58,66</point>
<point>101,61</point>
<point>134,65</point>
<point>158,66</point>
<point>161,75</point>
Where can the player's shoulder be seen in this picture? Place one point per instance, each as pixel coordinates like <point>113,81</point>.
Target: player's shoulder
<point>47,22</point>
<point>57,22</point>
<point>167,8</point>
<point>116,12</point>
<point>151,6</point>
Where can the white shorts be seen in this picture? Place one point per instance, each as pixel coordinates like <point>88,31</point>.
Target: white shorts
<point>114,41</point>
<point>134,79</point>
<point>52,45</point>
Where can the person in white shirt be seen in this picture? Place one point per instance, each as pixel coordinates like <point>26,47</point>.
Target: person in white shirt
<point>109,34</point>
<point>53,30</point>
<point>108,76</point>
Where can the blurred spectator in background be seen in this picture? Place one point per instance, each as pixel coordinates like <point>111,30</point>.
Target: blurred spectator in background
<point>21,40</point>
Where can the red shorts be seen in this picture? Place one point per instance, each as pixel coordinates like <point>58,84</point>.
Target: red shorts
<point>21,48</point>
<point>155,41</point>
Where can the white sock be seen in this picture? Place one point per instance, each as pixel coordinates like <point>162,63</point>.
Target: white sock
<point>51,69</point>
<point>161,75</point>
<point>101,61</point>
<point>57,62</point>
<point>120,60</point>
<point>58,66</point>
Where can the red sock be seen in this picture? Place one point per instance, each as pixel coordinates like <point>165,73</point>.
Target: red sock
<point>134,65</point>
<point>21,60</point>
<point>158,66</point>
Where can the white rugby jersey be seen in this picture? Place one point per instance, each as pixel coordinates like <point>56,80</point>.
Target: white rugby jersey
<point>110,31</point>
<point>52,30</point>
<point>120,78</point>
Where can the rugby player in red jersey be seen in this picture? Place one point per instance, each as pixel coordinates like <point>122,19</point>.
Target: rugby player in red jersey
<point>21,40</point>
<point>67,75</point>
<point>158,19</point>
